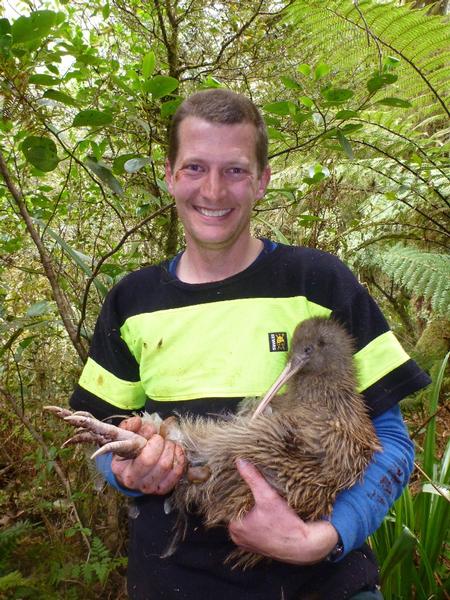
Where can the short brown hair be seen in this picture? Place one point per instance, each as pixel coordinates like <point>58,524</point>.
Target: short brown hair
<point>225,108</point>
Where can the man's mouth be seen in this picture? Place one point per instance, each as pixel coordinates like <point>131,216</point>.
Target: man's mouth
<point>207,212</point>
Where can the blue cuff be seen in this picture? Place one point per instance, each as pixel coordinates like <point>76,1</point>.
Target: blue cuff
<point>360,510</point>
<point>103,463</point>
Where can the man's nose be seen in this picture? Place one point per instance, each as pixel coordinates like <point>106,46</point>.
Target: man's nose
<point>212,185</point>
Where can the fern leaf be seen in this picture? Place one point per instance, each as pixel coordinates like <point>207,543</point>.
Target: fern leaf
<point>421,273</point>
<point>12,580</point>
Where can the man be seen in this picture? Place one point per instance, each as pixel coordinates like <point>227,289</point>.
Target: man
<point>193,335</point>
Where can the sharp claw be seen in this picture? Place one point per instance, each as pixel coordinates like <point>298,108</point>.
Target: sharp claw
<point>125,448</point>
<point>62,413</point>
<point>58,411</point>
<point>112,439</point>
<point>85,437</point>
<point>111,432</point>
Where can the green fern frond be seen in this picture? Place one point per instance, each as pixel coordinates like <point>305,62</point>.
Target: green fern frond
<point>416,38</point>
<point>12,581</point>
<point>10,537</point>
<point>423,274</point>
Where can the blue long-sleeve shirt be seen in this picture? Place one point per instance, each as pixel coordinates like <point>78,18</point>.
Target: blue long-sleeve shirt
<point>358,511</point>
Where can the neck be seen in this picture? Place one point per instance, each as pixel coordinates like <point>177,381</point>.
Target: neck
<point>203,265</point>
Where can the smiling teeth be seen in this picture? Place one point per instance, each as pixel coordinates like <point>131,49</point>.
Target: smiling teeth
<point>214,213</point>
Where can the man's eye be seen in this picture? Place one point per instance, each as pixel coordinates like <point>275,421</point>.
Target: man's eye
<point>194,168</point>
<point>236,171</point>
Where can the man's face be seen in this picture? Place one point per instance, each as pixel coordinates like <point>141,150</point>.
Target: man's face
<point>215,182</point>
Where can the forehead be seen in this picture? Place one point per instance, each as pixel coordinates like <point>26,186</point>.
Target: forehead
<point>198,138</point>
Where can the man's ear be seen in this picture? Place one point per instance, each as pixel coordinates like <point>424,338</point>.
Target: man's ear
<point>263,182</point>
<point>169,177</point>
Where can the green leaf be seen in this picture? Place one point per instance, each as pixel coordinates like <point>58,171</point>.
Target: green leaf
<point>38,308</point>
<point>290,83</point>
<point>274,134</point>
<point>351,127</point>
<point>90,59</point>
<point>301,117</point>
<point>345,144</point>
<point>346,114</point>
<point>169,108</point>
<point>148,64</point>
<point>119,162</point>
<point>391,101</point>
<point>5,44</point>
<point>134,164</point>
<point>105,175</point>
<point>379,81</point>
<point>162,185</point>
<point>317,178</point>
<point>60,97</point>
<point>160,86</point>
<point>280,237</point>
<point>41,152</point>
<point>304,69</point>
<point>43,79</point>
<point>280,108</point>
<point>321,70</point>
<point>390,62</point>
<point>5,27</point>
<point>428,460</point>
<point>210,83</point>
<point>79,258</point>
<point>5,126</point>
<point>106,11</point>
<point>308,220</point>
<point>35,27</point>
<point>92,117</point>
<point>306,101</point>
<point>336,95</point>
<point>403,545</point>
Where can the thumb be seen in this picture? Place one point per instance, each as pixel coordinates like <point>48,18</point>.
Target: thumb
<point>131,424</point>
<point>261,490</point>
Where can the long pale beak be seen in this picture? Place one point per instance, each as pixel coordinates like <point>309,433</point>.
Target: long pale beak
<point>289,370</point>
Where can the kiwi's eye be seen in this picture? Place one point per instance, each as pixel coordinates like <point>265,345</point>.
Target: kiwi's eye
<point>321,342</point>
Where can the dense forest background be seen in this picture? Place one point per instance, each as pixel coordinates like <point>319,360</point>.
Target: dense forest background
<point>355,95</point>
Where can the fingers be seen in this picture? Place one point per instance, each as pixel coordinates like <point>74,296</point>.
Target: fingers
<point>168,482</point>
<point>131,424</point>
<point>137,425</point>
<point>156,470</point>
<point>262,491</point>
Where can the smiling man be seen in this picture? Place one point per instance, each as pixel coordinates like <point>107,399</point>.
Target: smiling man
<point>196,334</point>
<point>216,179</point>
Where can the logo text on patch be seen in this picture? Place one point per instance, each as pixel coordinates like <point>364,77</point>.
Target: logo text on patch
<point>278,341</point>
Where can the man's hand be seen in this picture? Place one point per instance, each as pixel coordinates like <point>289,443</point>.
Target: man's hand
<point>273,529</point>
<point>158,467</point>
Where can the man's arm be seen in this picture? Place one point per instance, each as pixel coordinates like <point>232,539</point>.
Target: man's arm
<point>360,510</point>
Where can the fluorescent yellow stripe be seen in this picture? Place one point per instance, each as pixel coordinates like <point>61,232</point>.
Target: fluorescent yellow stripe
<point>128,395</point>
<point>381,356</point>
<point>237,361</point>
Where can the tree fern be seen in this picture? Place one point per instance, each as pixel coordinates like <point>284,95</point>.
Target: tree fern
<point>369,29</point>
<point>390,151</point>
<point>423,274</point>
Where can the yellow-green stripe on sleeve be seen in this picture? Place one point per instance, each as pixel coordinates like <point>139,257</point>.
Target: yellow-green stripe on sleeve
<point>381,356</point>
<point>128,395</point>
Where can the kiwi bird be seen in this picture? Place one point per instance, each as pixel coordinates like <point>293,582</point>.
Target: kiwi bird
<point>309,443</point>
